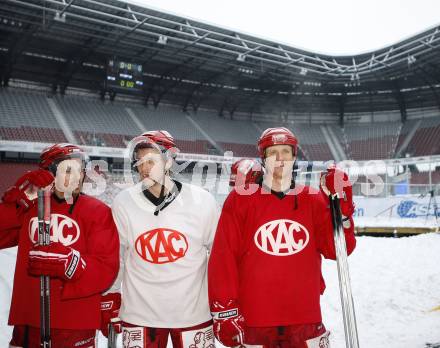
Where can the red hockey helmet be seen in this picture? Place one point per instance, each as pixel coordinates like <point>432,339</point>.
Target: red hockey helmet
<point>161,140</point>
<point>248,168</point>
<point>54,154</point>
<point>276,136</point>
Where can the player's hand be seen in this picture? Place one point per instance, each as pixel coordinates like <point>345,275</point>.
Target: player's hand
<point>228,323</point>
<point>24,191</point>
<point>335,182</point>
<point>56,260</point>
<point>110,305</point>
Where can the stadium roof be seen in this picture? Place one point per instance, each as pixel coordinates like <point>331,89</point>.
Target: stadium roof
<point>337,27</point>
<point>67,43</point>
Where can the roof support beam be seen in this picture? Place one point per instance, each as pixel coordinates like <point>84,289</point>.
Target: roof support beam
<point>341,101</point>
<point>401,102</point>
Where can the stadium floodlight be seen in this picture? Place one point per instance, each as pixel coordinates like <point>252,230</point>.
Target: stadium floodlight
<point>411,59</point>
<point>303,71</point>
<point>60,18</point>
<point>162,39</point>
<point>241,57</point>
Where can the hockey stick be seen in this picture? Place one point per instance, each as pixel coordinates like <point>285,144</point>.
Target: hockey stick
<point>114,327</point>
<point>111,339</point>
<point>44,239</point>
<point>348,312</point>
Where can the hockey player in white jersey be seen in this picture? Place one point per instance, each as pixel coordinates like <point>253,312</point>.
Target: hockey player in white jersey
<point>166,230</point>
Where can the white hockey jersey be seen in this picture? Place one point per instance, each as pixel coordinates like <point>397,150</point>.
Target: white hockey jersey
<point>164,257</point>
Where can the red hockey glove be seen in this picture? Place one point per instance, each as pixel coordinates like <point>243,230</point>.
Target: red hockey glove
<point>56,260</point>
<point>21,193</point>
<point>110,304</point>
<point>336,181</point>
<point>228,323</point>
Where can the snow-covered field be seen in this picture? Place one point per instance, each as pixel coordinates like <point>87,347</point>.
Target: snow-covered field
<point>396,282</point>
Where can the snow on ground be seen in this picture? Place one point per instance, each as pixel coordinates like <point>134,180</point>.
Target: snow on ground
<point>7,266</point>
<point>395,281</point>
<point>382,221</point>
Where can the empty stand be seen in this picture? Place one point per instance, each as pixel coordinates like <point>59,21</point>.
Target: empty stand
<point>407,127</point>
<point>26,115</point>
<point>34,134</point>
<point>195,146</point>
<point>171,119</point>
<point>10,172</point>
<point>240,150</point>
<point>313,142</point>
<point>91,115</point>
<point>24,108</point>
<point>426,140</point>
<point>226,131</point>
<point>342,137</point>
<point>372,141</point>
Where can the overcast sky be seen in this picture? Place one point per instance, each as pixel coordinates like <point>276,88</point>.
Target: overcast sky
<point>334,27</point>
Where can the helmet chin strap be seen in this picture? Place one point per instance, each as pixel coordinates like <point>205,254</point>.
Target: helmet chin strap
<point>162,188</point>
<point>162,194</point>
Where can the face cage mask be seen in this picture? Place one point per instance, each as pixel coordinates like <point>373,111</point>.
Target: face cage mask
<point>83,157</point>
<point>165,153</point>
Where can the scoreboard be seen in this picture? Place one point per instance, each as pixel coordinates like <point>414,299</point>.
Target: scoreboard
<point>124,76</point>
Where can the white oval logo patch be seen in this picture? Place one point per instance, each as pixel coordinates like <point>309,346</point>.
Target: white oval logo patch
<point>161,245</point>
<point>63,229</point>
<point>281,237</point>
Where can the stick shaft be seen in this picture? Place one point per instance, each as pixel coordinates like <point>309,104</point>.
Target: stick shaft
<point>348,311</point>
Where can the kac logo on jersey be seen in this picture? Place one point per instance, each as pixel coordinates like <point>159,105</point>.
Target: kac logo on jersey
<point>63,229</point>
<point>161,245</point>
<point>281,237</point>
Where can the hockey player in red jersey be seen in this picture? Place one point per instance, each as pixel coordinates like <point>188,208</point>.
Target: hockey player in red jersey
<point>264,271</point>
<point>166,230</point>
<point>82,258</point>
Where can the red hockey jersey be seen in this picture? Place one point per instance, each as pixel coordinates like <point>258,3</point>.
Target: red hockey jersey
<point>267,255</point>
<point>88,228</point>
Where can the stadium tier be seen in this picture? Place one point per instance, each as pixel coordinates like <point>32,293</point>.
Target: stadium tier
<point>38,117</point>
<point>372,141</point>
<point>11,171</point>
<point>426,140</point>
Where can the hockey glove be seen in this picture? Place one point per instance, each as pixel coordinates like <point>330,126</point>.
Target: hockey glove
<point>56,260</point>
<point>23,193</point>
<point>228,323</point>
<point>110,304</point>
<point>336,182</point>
